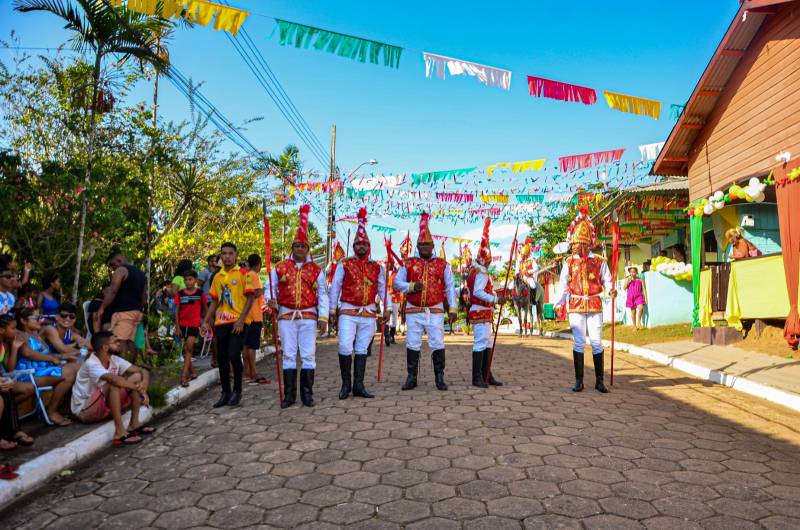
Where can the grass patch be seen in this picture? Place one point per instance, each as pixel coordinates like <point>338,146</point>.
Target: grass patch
<point>670,333</point>
<point>158,396</point>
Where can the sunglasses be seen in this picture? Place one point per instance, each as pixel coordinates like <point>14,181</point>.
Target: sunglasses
<point>67,315</point>
<point>35,317</point>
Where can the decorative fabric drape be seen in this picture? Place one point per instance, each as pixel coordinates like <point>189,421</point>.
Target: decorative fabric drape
<point>517,167</point>
<point>200,12</point>
<point>650,151</point>
<point>696,231</point>
<point>633,104</point>
<point>356,48</point>
<point>787,193</point>
<point>487,75</point>
<point>541,87</point>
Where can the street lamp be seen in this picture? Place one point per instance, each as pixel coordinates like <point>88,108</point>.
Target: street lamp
<point>331,233</point>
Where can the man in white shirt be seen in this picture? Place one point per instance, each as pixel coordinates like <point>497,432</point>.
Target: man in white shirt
<point>357,283</point>
<point>427,282</point>
<point>105,385</point>
<point>584,276</point>
<point>302,303</point>
<point>482,299</point>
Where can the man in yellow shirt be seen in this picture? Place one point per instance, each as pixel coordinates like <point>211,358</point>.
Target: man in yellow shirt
<point>231,299</point>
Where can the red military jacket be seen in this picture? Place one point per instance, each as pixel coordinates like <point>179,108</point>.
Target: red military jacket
<point>431,274</point>
<point>585,284</point>
<point>474,300</point>
<point>297,288</point>
<point>360,282</point>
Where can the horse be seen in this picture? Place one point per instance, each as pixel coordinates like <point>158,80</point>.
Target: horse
<point>525,299</point>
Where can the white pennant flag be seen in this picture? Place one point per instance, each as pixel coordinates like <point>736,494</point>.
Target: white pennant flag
<point>650,151</point>
<point>487,75</point>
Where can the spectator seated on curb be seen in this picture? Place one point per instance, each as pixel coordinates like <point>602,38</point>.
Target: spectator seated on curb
<point>107,384</point>
<point>12,392</point>
<point>8,281</point>
<point>62,336</point>
<point>47,368</point>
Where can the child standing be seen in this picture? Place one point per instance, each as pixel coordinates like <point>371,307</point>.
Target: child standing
<point>191,304</point>
<point>252,340</point>
<point>636,298</point>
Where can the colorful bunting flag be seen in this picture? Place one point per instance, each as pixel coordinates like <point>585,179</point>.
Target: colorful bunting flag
<point>633,105</point>
<point>675,111</point>
<point>228,18</point>
<point>487,75</point>
<point>573,162</point>
<point>541,87</point>
<point>356,48</point>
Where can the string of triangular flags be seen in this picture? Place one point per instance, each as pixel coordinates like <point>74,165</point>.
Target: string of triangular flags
<point>201,12</point>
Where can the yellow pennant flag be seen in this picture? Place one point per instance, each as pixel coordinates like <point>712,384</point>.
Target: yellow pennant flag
<point>632,104</point>
<point>172,8</point>
<point>532,165</point>
<point>490,169</point>
<point>205,12</point>
<point>115,3</point>
<point>229,19</point>
<point>147,7</point>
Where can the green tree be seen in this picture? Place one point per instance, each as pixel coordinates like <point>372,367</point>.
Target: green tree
<point>104,30</point>
<point>286,167</point>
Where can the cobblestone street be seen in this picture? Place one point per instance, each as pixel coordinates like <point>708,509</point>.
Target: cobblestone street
<point>661,451</point>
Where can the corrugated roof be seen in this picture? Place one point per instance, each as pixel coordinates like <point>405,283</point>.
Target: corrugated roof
<point>674,157</point>
<point>669,184</point>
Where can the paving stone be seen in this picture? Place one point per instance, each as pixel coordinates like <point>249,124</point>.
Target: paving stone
<point>434,523</point>
<point>130,519</point>
<point>347,513</point>
<point>430,492</point>
<point>357,480</point>
<point>572,506</point>
<point>669,523</point>
<point>514,507</point>
<point>379,494</point>
<point>482,490</point>
<point>610,522</point>
<point>492,522</point>
<point>459,508</point>
<point>241,516</point>
<point>271,499</point>
<point>291,516</point>
<point>626,507</point>
<point>326,496</point>
<point>404,511</point>
<point>551,522</point>
<point>183,518</point>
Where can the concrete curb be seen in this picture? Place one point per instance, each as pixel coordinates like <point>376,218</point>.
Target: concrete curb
<point>40,470</point>
<point>742,384</point>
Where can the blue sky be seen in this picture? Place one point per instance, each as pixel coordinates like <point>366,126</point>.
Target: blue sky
<point>655,49</point>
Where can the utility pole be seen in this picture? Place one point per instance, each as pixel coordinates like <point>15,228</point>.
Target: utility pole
<point>331,232</point>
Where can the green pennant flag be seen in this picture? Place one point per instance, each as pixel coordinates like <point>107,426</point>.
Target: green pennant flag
<point>435,176</point>
<point>675,111</point>
<point>302,36</point>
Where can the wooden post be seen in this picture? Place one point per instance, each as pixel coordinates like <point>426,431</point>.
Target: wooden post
<point>331,237</point>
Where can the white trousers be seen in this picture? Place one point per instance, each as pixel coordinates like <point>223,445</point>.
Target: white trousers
<point>298,336</point>
<point>419,323</point>
<point>355,334</point>
<point>395,321</point>
<point>481,336</point>
<point>583,323</point>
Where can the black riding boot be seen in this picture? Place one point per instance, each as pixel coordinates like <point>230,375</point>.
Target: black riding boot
<point>359,366</point>
<point>598,373</point>
<point>289,387</point>
<point>492,380</point>
<point>369,348</point>
<point>392,331</point>
<point>307,387</point>
<point>477,369</point>
<point>387,337</point>
<point>577,360</point>
<point>438,369</point>
<point>345,363</point>
<point>412,365</point>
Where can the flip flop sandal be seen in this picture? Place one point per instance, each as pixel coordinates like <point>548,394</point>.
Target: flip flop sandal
<point>127,439</point>
<point>9,468</point>
<point>147,430</point>
<point>184,383</point>
<point>11,447</point>
<point>24,440</point>
<point>8,476</point>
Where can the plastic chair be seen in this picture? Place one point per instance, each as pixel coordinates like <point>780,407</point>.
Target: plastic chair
<point>26,376</point>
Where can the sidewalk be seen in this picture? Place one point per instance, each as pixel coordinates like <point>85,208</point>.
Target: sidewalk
<point>36,472</point>
<point>765,376</point>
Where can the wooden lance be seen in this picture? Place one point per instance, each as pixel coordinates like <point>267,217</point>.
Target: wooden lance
<point>500,313</point>
<point>388,243</point>
<point>268,256</point>
<point>614,265</point>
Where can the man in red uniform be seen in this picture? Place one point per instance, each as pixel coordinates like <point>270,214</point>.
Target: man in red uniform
<point>481,302</point>
<point>357,283</point>
<point>583,278</point>
<point>427,282</point>
<point>302,305</point>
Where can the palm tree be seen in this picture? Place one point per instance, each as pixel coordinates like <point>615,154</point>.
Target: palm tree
<point>286,166</point>
<point>104,30</point>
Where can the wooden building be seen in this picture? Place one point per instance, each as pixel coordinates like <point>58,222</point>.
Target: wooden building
<point>743,121</point>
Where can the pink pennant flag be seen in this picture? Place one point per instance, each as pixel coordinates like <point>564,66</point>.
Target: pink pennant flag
<point>541,87</point>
